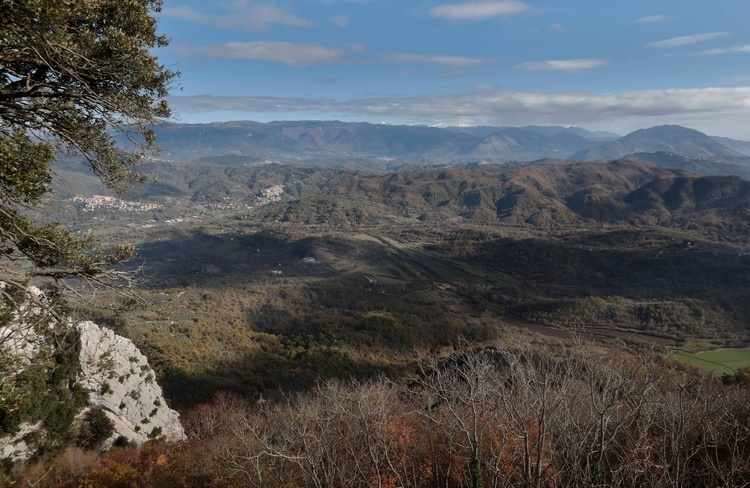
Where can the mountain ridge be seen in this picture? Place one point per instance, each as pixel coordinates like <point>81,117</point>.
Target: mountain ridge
<point>663,138</point>
<point>348,143</point>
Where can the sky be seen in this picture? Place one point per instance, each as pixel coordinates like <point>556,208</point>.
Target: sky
<point>615,65</point>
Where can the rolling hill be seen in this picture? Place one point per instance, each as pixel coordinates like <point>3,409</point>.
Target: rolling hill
<point>705,165</point>
<point>546,194</point>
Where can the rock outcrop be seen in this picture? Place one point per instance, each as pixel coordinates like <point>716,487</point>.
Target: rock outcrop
<point>116,377</point>
<point>120,382</point>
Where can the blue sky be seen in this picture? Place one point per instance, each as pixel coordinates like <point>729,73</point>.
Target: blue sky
<point>602,64</point>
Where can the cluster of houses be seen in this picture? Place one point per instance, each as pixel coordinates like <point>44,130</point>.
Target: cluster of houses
<point>102,201</point>
<point>269,195</point>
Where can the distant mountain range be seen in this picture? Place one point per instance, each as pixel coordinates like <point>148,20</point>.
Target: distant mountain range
<point>665,138</point>
<point>310,141</point>
<point>392,147</point>
<point>547,130</point>
<point>518,143</point>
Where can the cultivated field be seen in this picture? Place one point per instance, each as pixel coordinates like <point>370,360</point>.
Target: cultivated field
<point>722,360</point>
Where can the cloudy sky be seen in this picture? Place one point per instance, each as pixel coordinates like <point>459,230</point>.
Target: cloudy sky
<point>602,64</point>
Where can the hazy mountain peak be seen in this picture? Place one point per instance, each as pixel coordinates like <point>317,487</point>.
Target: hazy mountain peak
<point>665,138</point>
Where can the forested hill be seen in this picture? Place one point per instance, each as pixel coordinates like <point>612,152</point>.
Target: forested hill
<point>548,195</point>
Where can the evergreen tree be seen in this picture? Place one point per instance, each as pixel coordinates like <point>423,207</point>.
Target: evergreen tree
<point>74,76</point>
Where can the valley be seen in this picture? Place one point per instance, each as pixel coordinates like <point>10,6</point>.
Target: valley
<point>263,279</point>
<point>408,267</point>
<point>300,311</point>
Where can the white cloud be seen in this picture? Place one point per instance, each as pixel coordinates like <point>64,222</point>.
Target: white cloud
<point>562,65</point>
<point>653,19</point>
<point>727,50</point>
<point>448,62</point>
<point>301,55</point>
<point>340,20</point>
<point>242,15</point>
<point>288,53</point>
<point>738,79</point>
<point>479,10</point>
<point>353,47</point>
<point>686,40</point>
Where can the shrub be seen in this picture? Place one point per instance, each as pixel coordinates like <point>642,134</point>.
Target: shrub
<point>95,428</point>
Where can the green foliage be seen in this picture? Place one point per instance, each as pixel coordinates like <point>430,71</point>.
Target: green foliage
<point>105,389</point>
<point>94,429</point>
<point>68,75</point>
<point>24,172</point>
<point>121,441</point>
<point>42,391</point>
<point>38,363</point>
<point>741,377</point>
<point>45,86</point>
<point>12,396</point>
<point>732,363</point>
<point>73,75</point>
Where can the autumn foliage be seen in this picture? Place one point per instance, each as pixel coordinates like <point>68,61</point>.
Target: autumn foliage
<point>496,417</point>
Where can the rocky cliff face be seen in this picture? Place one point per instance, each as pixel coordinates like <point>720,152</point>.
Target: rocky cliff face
<point>120,382</point>
<point>113,373</point>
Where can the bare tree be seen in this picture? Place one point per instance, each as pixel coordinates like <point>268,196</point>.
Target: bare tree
<point>460,399</point>
<point>725,449</point>
<point>600,433</point>
<point>520,415</point>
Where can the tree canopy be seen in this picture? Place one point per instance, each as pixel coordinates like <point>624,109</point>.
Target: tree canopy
<point>73,75</point>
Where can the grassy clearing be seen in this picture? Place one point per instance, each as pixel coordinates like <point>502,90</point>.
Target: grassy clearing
<point>446,269</point>
<point>366,237</point>
<point>388,269</point>
<point>722,360</point>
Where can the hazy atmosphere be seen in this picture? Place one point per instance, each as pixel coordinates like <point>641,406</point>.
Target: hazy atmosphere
<point>616,66</point>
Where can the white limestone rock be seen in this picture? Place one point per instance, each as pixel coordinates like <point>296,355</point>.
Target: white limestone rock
<point>121,383</point>
<point>15,446</point>
<point>116,376</point>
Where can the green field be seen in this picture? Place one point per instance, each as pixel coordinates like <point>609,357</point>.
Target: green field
<point>721,360</point>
